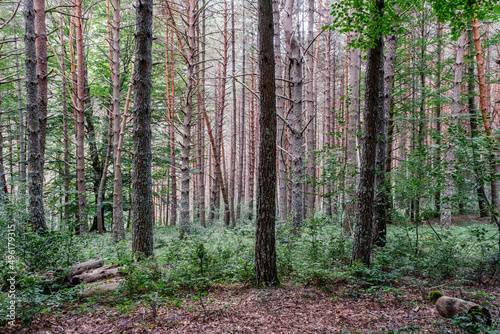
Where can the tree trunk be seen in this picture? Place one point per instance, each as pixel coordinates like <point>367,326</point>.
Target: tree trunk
<point>251,145</point>
<point>382,215</point>
<point>296,123</point>
<point>22,149</point>
<point>446,204</point>
<point>200,125</point>
<point>142,197</point>
<point>102,181</point>
<point>265,249</point>
<point>80,127</point>
<point>481,193</point>
<point>484,105</point>
<point>280,109</point>
<point>184,219</point>
<point>3,181</point>
<point>41,71</point>
<point>374,106</point>
<point>234,129</point>
<point>437,159</point>
<point>35,174</point>
<point>327,121</point>
<point>309,112</point>
<point>241,185</point>
<point>118,224</point>
<point>352,138</point>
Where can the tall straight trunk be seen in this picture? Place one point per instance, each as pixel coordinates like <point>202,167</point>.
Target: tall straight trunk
<point>41,71</point>
<point>184,219</point>
<point>265,249</point>
<point>280,109</point>
<point>374,107</point>
<point>232,182</point>
<point>251,145</point>
<point>352,137</point>
<point>327,119</point>
<point>35,174</point>
<point>296,123</point>
<point>102,180</point>
<point>3,180</point>
<point>437,159</point>
<point>242,144</point>
<point>382,215</point>
<point>171,115</point>
<point>445,217</point>
<point>309,112</point>
<point>22,149</point>
<point>485,106</point>
<point>118,224</point>
<point>142,197</point>
<point>200,125</point>
<point>65,117</point>
<point>80,127</point>
<point>481,193</point>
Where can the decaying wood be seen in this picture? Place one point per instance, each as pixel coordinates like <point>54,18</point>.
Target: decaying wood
<point>448,307</point>
<point>90,264</point>
<point>100,288</point>
<point>96,275</point>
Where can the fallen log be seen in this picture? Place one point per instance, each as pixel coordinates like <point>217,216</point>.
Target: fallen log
<point>448,307</point>
<point>100,288</point>
<point>96,275</point>
<point>90,264</point>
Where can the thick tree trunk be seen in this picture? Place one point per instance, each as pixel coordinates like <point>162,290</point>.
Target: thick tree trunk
<point>41,71</point>
<point>296,122</point>
<point>35,174</point>
<point>374,106</point>
<point>382,216</point>
<point>446,204</point>
<point>265,249</point>
<point>142,197</point>
<point>184,218</point>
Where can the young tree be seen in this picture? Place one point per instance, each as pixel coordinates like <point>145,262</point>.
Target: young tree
<point>265,251</point>
<point>142,196</point>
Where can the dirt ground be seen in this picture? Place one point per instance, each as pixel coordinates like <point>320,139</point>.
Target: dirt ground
<point>239,309</point>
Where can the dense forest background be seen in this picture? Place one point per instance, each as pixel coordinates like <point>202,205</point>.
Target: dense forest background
<point>386,143</point>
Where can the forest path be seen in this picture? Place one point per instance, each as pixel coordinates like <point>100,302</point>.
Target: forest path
<point>346,309</point>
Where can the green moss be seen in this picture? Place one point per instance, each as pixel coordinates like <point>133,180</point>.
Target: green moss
<point>434,296</point>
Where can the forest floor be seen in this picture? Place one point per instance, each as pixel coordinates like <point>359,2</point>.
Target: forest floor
<point>286,309</point>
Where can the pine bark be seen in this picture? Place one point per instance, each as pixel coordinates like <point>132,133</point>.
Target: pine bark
<point>382,214</point>
<point>265,249</point>
<point>184,219</point>
<point>41,71</point>
<point>142,197</point>
<point>280,109</point>
<point>35,174</point>
<point>374,106</point>
<point>445,217</point>
<point>232,181</point>
<point>310,113</point>
<point>296,122</point>
<point>80,127</point>
<point>22,145</point>
<point>242,144</point>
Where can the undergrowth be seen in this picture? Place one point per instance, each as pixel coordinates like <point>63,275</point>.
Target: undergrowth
<point>320,256</point>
